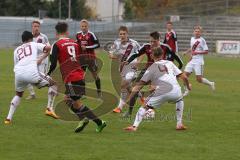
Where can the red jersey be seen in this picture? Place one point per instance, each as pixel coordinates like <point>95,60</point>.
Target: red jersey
<point>66,52</point>
<point>171,39</point>
<point>167,54</point>
<point>146,49</point>
<point>91,42</point>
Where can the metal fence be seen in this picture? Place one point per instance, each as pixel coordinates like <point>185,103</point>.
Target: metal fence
<point>215,28</point>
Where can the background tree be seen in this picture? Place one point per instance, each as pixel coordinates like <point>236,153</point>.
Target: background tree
<point>78,10</point>
<point>128,11</point>
<point>22,7</point>
<point>31,8</point>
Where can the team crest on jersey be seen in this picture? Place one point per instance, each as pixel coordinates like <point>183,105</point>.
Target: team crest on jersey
<point>87,37</point>
<point>39,40</point>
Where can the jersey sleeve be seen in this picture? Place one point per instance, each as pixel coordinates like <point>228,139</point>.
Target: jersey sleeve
<point>204,45</point>
<point>175,41</point>
<point>142,49</point>
<point>138,53</point>
<point>53,58</point>
<point>136,47</point>
<point>165,38</point>
<point>40,47</point>
<point>95,41</point>
<point>174,56</point>
<point>174,35</point>
<point>45,38</point>
<point>148,74</point>
<point>76,36</point>
<point>15,59</point>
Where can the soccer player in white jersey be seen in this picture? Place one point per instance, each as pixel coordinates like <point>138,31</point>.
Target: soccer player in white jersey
<point>198,49</point>
<point>162,75</point>
<point>125,48</point>
<point>26,61</point>
<point>39,37</point>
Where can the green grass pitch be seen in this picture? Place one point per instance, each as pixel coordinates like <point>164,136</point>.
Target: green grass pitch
<point>213,121</point>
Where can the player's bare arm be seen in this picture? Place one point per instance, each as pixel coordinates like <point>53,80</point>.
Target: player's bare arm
<point>188,51</point>
<point>113,56</point>
<point>139,60</point>
<point>199,52</point>
<point>46,52</point>
<point>185,80</point>
<point>136,89</point>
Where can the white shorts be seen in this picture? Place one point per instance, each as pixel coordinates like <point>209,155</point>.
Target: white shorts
<point>31,77</point>
<point>43,68</point>
<point>155,100</point>
<point>196,67</point>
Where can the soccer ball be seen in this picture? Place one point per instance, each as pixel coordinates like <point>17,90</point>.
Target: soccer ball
<point>150,114</point>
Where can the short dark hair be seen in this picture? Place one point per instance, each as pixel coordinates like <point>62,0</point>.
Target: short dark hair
<point>155,35</point>
<point>35,21</point>
<point>123,28</point>
<point>169,22</point>
<point>61,27</point>
<point>26,36</point>
<point>157,52</point>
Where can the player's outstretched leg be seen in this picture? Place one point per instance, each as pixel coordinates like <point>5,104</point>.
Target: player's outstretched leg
<point>84,112</point>
<point>138,119</point>
<point>13,106</point>
<point>206,82</point>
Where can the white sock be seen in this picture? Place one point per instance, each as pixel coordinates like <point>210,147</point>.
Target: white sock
<point>121,104</point>
<point>179,111</point>
<point>14,103</point>
<point>30,89</point>
<point>51,97</point>
<point>139,116</point>
<point>207,82</point>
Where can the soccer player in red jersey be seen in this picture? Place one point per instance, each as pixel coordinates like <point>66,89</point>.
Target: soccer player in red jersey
<point>88,42</point>
<point>170,37</point>
<point>66,52</point>
<point>168,54</point>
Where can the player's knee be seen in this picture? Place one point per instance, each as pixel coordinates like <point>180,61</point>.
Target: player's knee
<point>199,79</point>
<point>96,77</point>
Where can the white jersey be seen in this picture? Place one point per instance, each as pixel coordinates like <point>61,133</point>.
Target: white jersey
<point>127,50</point>
<point>198,44</point>
<point>42,38</point>
<point>162,74</point>
<point>25,57</point>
